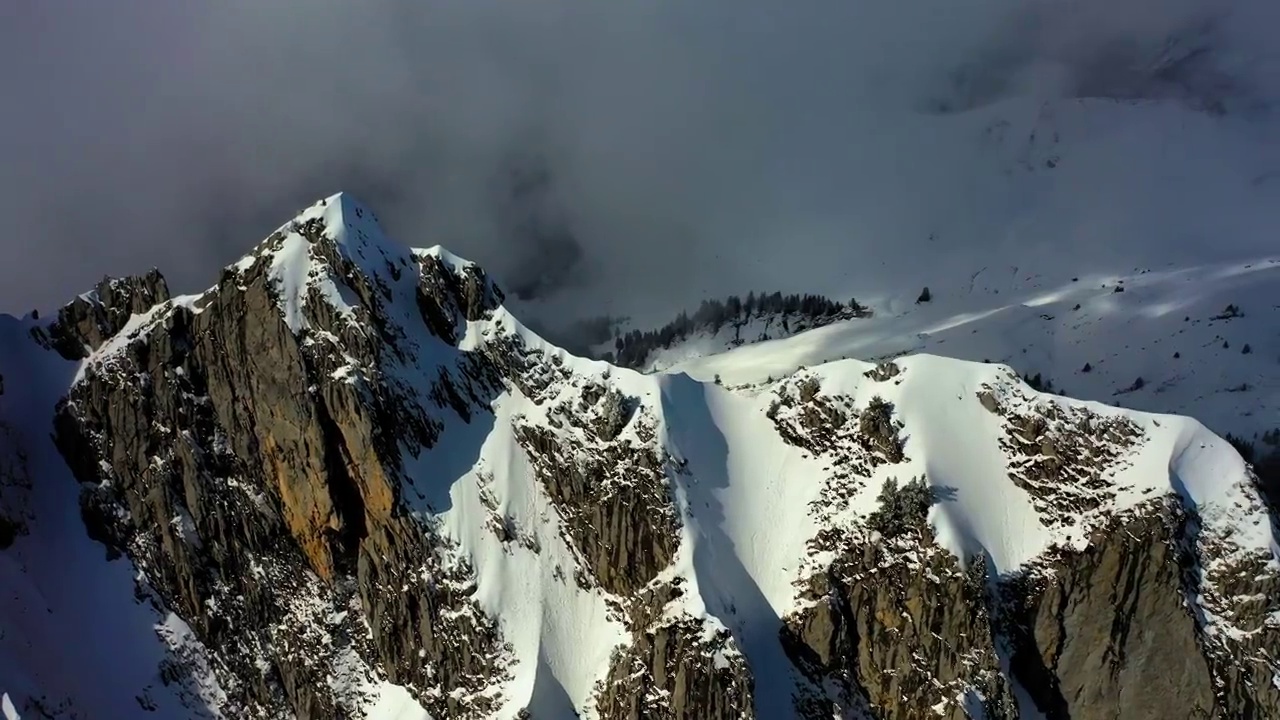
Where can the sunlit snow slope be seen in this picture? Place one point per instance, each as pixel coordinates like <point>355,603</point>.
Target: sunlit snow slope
<point>1201,338</point>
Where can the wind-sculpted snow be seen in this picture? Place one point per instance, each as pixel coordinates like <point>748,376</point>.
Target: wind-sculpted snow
<point>347,482</point>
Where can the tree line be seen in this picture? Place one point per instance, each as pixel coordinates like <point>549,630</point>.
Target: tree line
<point>633,349</point>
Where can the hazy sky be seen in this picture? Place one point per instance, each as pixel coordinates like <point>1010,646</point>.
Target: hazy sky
<point>176,134</point>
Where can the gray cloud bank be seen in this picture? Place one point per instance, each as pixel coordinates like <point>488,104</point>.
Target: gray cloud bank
<point>678,142</point>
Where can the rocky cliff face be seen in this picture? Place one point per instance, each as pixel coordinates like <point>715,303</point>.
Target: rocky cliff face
<point>15,483</point>
<point>89,320</point>
<point>345,466</point>
<point>676,671</point>
<point>1076,646</point>
<point>250,463</point>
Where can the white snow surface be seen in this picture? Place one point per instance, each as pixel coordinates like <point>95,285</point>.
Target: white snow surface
<point>1168,325</point>
<point>73,637</point>
<point>395,703</point>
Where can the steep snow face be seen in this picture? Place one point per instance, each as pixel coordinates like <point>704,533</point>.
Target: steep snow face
<point>752,459</point>
<point>561,634</point>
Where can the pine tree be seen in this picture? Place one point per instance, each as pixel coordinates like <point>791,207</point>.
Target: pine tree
<point>901,508</point>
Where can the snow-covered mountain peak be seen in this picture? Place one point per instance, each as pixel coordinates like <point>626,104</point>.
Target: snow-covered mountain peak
<point>350,481</point>
<point>332,268</point>
<point>340,218</point>
<point>348,223</point>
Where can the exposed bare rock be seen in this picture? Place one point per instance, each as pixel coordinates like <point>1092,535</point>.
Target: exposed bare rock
<point>1063,457</point>
<point>86,322</point>
<point>1107,629</point>
<point>855,442</point>
<point>886,370</point>
<point>898,629</point>
<point>248,466</point>
<point>1123,625</point>
<point>613,495</point>
<point>1151,618</point>
<point>15,485</point>
<point>678,670</point>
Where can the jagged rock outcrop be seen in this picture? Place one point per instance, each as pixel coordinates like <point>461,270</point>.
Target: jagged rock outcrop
<point>613,495</point>
<point>1122,625</point>
<point>1109,628</point>
<point>892,626</point>
<point>1088,634</point>
<point>902,639</point>
<point>898,629</point>
<point>599,459</point>
<point>15,482</point>
<point>625,530</point>
<point>1154,615</point>
<point>677,670</point>
<point>1066,455</point>
<point>1235,598</point>
<point>255,467</point>
<point>247,450</point>
<point>84,324</point>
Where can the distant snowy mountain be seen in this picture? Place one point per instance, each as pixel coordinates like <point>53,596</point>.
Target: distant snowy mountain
<point>1201,339</point>
<point>1123,232</point>
<point>346,482</point>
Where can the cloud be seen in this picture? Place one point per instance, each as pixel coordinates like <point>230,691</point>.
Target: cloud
<point>682,142</point>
